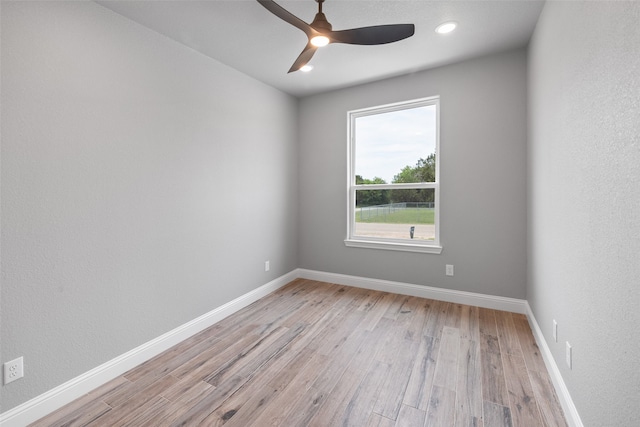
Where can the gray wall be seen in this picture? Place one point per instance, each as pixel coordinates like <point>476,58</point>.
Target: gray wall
<point>143,185</point>
<point>483,155</point>
<point>584,200</point>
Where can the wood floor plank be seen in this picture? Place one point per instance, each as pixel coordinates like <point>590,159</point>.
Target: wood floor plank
<point>411,319</point>
<point>75,416</point>
<point>550,410</point>
<point>278,318</point>
<point>335,402</point>
<point>446,374</point>
<point>489,343</point>
<point>454,316</point>
<point>140,416</point>
<point>410,417</point>
<point>358,296</point>
<point>420,313</point>
<point>217,358</point>
<point>209,403</point>
<point>359,405</point>
<point>507,334</point>
<point>530,349</point>
<point>243,407</point>
<point>286,398</point>
<point>311,337</point>
<point>125,411</point>
<point>494,387</point>
<point>377,420</point>
<point>263,311</point>
<point>442,408</point>
<point>420,382</point>
<point>319,354</point>
<point>337,336</point>
<point>161,415</point>
<point>496,415</point>
<point>250,360</point>
<point>186,390</point>
<point>176,355</point>
<point>181,396</point>
<point>524,409</point>
<point>396,336</point>
<point>369,301</point>
<point>393,310</point>
<point>436,320</point>
<point>472,332</point>
<point>348,370</point>
<point>377,310</point>
<point>75,409</point>
<point>469,388</point>
<point>230,381</point>
<point>203,363</point>
<point>487,321</point>
<point>331,333</point>
<point>353,354</point>
<point>143,388</point>
<point>391,396</point>
<point>324,298</point>
<point>306,408</point>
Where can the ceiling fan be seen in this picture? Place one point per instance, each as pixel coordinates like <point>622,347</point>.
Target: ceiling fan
<point>320,32</point>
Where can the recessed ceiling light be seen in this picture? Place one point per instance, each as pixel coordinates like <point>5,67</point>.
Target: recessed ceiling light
<point>447,27</point>
<point>306,68</point>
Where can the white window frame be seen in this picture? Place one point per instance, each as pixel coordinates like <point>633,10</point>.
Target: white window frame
<point>388,243</point>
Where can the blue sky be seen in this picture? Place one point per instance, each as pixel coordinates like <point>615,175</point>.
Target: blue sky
<point>386,143</point>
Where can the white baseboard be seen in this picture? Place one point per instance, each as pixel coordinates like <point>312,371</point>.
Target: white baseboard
<point>570,410</point>
<point>57,397</point>
<point>460,297</point>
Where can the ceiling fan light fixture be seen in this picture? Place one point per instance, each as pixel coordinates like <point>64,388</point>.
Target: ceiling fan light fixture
<point>446,27</point>
<point>306,68</point>
<point>320,32</point>
<point>319,41</point>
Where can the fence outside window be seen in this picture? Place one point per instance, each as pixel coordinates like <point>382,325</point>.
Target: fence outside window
<point>380,211</point>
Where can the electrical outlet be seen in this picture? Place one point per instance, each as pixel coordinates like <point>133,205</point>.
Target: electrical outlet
<point>569,354</point>
<point>13,370</point>
<point>555,330</point>
<point>266,266</point>
<point>449,269</point>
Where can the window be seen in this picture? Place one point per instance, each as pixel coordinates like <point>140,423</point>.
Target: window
<point>393,177</point>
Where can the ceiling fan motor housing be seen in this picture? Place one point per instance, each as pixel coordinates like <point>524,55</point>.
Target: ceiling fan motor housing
<point>320,23</point>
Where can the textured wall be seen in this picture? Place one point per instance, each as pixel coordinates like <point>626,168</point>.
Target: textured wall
<point>584,200</point>
<point>143,185</point>
<point>483,146</point>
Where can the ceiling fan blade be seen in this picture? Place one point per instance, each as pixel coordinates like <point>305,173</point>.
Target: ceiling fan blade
<point>379,34</point>
<point>303,58</point>
<point>287,16</point>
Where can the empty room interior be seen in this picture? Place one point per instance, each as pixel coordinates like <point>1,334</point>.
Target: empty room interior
<point>183,239</point>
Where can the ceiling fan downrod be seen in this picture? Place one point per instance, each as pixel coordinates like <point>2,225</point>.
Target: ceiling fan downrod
<point>320,21</point>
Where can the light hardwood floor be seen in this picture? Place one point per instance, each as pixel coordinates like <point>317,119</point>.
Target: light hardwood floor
<point>319,354</point>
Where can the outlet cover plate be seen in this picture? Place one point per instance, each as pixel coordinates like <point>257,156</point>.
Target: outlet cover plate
<point>13,370</point>
<point>449,269</point>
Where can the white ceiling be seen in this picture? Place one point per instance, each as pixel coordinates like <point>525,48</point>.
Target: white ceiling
<point>244,35</point>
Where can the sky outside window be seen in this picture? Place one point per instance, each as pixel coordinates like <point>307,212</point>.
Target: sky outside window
<point>387,142</point>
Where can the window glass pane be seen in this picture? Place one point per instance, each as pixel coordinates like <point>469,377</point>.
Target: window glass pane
<point>396,146</point>
<point>403,214</point>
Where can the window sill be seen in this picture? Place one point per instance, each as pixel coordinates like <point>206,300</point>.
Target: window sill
<point>393,246</point>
